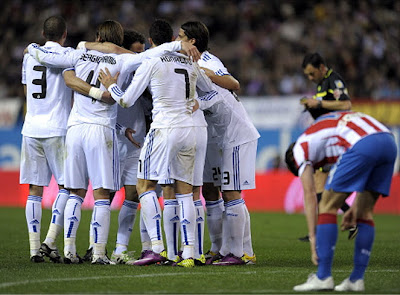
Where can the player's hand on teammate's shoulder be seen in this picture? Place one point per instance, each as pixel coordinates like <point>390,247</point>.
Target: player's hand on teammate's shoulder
<point>191,50</point>
<point>106,78</point>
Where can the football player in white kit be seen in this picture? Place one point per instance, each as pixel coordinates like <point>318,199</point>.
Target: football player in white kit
<point>91,136</point>
<point>129,150</point>
<point>44,130</point>
<point>238,145</point>
<point>169,148</point>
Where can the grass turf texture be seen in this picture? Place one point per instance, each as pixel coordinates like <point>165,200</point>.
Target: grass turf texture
<point>282,262</point>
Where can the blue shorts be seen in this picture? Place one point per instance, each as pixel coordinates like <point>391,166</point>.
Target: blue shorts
<point>368,165</point>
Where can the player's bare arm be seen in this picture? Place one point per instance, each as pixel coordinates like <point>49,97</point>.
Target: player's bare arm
<point>84,88</point>
<point>225,81</point>
<point>310,205</point>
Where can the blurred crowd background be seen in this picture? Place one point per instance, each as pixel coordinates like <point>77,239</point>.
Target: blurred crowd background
<point>262,43</point>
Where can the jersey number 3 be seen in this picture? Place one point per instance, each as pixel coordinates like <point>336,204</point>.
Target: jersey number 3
<point>42,82</point>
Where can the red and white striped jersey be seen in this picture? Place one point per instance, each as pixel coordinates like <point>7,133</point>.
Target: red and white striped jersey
<point>331,135</point>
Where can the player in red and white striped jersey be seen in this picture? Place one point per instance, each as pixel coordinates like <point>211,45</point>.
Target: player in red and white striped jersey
<point>363,152</point>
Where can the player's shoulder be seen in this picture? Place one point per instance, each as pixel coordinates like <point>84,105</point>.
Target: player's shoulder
<point>336,78</point>
<point>207,56</point>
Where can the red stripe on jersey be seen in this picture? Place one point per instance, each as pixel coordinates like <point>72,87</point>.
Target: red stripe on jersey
<point>321,125</point>
<point>304,146</point>
<point>369,122</point>
<point>356,128</point>
<point>326,218</point>
<point>342,142</point>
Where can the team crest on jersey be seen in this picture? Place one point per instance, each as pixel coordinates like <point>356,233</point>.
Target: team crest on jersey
<point>339,84</point>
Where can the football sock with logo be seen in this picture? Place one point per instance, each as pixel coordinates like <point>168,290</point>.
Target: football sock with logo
<point>33,214</point>
<point>199,234</point>
<point>144,235</point>
<point>187,216</point>
<point>362,248</point>
<point>235,219</point>
<point>151,213</point>
<point>215,211</point>
<point>247,243</point>
<point>101,225</point>
<point>126,221</point>
<point>327,233</point>
<point>72,218</point>
<point>57,218</point>
<point>171,227</point>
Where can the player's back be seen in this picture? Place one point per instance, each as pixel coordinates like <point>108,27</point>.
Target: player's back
<point>173,85</point>
<point>48,98</point>
<point>85,109</point>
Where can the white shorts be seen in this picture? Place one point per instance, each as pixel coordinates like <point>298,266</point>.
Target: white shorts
<point>92,153</point>
<point>201,146</point>
<point>128,159</point>
<point>238,169</point>
<point>41,158</point>
<point>212,165</point>
<point>168,153</point>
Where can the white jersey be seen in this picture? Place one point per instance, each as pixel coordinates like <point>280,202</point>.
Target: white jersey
<point>172,80</point>
<point>87,65</point>
<point>331,135</point>
<point>224,111</point>
<point>48,98</point>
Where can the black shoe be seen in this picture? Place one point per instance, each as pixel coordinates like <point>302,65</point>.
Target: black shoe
<point>37,258</point>
<point>53,254</point>
<point>88,255</point>
<point>353,232</point>
<point>72,259</point>
<point>304,239</point>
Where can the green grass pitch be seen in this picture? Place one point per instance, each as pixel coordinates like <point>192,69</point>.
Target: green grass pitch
<point>282,262</point>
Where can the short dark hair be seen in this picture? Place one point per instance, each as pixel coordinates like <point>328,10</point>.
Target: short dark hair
<point>315,59</point>
<point>160,32</point>
<point>199,31</point>
<point>289,160</point>
<point>54,28</point>
<point>110,31</point>
<point>132,36</point>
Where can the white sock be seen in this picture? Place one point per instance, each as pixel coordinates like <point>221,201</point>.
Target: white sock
<point>57,218</point>
<point>214,223</point>
<point>235,219</point>
<point>151,212</point>
<point>91,238</point>
<point>171,227</point>
<point>187,216</point>
<point>247,244</point>
<point>33,214</point>
<point>101,225</point>
<point>72,218</point>
<point>226,237</point>
<point>126,220</point>
<point>144,235</point>
<point>199,234</point>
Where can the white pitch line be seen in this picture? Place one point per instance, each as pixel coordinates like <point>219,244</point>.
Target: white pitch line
<point>26,282</point>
